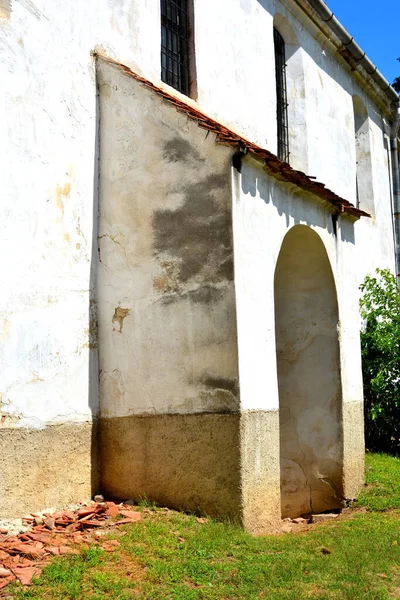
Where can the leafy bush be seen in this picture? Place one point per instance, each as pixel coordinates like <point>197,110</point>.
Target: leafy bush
<point>380,346</point>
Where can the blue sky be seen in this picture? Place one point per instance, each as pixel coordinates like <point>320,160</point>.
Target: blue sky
<point>375,25</point>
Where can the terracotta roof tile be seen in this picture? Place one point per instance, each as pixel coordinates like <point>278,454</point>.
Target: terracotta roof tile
<point>273,165</point>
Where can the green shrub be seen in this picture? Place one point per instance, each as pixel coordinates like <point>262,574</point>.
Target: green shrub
<point>380,346</point>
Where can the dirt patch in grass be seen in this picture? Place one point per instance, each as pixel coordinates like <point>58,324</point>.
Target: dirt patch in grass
<point>126,566</point>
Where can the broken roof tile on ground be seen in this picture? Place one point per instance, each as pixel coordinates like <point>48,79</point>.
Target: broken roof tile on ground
<point>23,556</point>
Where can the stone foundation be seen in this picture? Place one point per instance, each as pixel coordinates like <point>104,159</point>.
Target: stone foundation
<point>49,467</point>
<point>225,464</point>
<point>353,448</point>
<point>183,461</point>
<point>261,496</point>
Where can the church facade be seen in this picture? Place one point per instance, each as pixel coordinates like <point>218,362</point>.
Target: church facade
<point>193,194</point>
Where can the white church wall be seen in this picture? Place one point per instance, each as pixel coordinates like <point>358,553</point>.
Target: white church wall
<point>48,149</point>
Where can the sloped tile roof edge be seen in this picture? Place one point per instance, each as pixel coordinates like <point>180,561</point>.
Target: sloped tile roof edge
<point>273,165</point>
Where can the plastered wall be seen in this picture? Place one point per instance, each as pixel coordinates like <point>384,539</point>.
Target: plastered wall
<point>49,198</point>
<point>264,211</point>
<point>48,148</point>
<point>167,321</point>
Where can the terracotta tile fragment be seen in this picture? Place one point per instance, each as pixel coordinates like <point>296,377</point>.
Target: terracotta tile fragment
<point>25,562</point>
<point>74,526</point>
<point>26,574</point>
<point>6,581</point>
<point>39,537</point>
<point>112,511</point>
<point>4,572</point>
<point>69,514</point>
<point>50,523</point>
<point>88,517</point>
<point>86,510</point>
<point>132,514</point>
<point>124,521</point>
<point>58,514</point>
<point>23,555</point>
<point>29,549</point>
<point>92,524</point>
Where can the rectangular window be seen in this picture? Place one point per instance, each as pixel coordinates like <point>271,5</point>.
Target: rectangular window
<point>175,44</point>
<point>281,97</point>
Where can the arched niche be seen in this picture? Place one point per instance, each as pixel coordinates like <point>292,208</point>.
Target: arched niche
<point>310,400</point>
<point>296,95</point>
<point>364,183</point>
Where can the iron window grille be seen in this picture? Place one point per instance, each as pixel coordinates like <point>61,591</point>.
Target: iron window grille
<point>281,97</point>
<point>175,44</point>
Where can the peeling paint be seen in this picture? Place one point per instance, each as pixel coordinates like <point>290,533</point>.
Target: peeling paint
<point>119,316</point>
<point>62,192</point>
<point>168,281</point>
<point>36,378</point>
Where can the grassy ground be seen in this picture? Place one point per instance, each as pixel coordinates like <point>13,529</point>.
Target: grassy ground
<point>171,555</point>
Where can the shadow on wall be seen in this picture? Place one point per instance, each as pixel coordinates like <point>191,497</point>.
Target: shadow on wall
<point>309,380</point>
<point>289,202</point>
<point>93,369</point>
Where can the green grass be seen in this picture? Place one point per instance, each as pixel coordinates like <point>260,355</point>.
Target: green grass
<point>382,476</point>
<point>172,556</point>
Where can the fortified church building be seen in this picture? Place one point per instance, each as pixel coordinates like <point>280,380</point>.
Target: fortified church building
<point>192,192</point>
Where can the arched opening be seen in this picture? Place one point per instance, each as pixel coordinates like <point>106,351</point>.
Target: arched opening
<point>307,349</point>
<point>290,92</point>
<point>364,185</point>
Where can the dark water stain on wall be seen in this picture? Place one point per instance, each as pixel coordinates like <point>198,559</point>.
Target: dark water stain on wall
<point>199,232</point>
<point>222,383</point>
<point>178,149</point>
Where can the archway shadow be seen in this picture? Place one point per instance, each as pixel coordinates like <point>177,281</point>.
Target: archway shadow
<point>309,379</point>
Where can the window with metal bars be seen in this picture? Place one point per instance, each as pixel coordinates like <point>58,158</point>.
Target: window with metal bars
<point>175,44</point>
<point>281,97</point>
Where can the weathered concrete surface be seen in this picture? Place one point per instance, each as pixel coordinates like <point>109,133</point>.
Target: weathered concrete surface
<point>182,461</point>
<point>225,464</point>
<point>310,398</point>
<point>353,444</point>
<point>167,319</point>
<point>48,467</point>
<point>260,473</point>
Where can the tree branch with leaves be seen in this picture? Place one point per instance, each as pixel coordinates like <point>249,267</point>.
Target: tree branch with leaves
<point>380,347</point>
